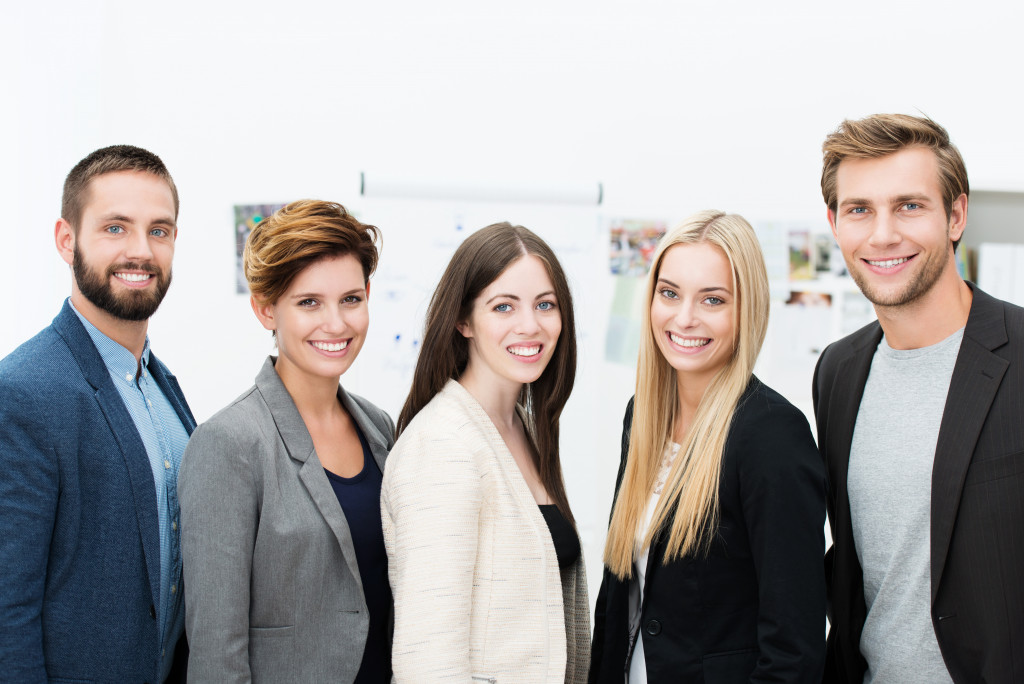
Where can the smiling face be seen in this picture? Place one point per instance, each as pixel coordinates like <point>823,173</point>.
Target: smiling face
<point>693,311</point>
<point>514,325</point>
<point>892,227</point>
<point>320,320</point>
<point>122,250</point>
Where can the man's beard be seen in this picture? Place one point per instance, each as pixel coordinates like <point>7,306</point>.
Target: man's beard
<point>130,305</point>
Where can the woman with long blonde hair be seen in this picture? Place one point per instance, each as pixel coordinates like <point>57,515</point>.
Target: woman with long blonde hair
<point>713,562</point>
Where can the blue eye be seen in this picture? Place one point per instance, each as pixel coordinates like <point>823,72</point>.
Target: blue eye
<point>503,308</point>
<point>859,210</point>
<point>158,232</point>
<point>911,206</point>
<point>668,294</point>
<point>116,230</point>
<point>714,301</point>
<point>546,306</point>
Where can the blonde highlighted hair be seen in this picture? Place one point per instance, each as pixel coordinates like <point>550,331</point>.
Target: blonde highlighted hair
<point>687,510</point>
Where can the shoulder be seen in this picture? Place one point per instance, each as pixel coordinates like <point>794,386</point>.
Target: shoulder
<point>766,427</point>
<point>42,359</point>
<point>242,422</point>
<point>377,416</point>
<point>847,346</point>
<point>446,430</point>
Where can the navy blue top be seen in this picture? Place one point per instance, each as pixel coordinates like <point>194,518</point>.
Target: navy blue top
<point>359,497</point>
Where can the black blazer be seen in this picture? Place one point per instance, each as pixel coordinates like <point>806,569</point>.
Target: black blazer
<point>977,510</point>
<point>753,608</point>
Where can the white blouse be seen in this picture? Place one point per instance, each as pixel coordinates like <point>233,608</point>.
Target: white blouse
<point>638,666</point>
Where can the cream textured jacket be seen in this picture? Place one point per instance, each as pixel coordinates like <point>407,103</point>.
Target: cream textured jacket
<point>478,593</point>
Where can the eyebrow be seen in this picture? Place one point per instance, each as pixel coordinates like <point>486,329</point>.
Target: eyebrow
<point>898,199</point>
<point>715,288</point>
<point>513,297</point>
<point>319,295</point>
<point>121,218</point>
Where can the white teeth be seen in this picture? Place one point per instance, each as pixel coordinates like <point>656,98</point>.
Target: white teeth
<point>689,342</point>
<point>328,346</point>
<point>525,351</point>
<point>134,277</point>
<point>888,263</point>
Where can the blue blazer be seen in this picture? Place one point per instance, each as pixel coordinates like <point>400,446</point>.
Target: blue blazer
<point>79,537</point>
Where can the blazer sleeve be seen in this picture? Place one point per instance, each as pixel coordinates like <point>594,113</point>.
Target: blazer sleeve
<point>782,492</point>
<point>29,490</point>
<point>600,608</point>
<point>430,507</point>
<point>219,513</point>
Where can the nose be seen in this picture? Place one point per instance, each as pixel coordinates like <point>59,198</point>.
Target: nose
<point>685,314</point>
<point>334,320</point>
<point>138,247</point>
<point>884,232</point>
<point>526,322</point>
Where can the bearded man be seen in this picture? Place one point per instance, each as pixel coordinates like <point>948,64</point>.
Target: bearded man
<point>92,429</point>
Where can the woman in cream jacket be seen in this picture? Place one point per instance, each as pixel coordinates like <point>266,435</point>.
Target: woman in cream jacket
<point>484,559</point>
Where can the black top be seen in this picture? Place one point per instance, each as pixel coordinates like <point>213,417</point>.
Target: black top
<point>750,608</point>
<point>359,497</point>
<point>567,542</point>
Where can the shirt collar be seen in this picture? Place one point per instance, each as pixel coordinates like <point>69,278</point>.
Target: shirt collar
<point>118,360</point>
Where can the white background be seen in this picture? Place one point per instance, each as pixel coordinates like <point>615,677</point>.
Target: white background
<point>673,106</point>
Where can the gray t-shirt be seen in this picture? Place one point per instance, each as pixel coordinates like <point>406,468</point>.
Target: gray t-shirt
<point>890,485</point>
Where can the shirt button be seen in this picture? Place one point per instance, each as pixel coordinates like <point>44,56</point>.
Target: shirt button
<point>174,526</point>
<point>128,377</point>
<point>149,403</point>
<point>654,628</point>
<point>167,464</point>
<point>174,588</point>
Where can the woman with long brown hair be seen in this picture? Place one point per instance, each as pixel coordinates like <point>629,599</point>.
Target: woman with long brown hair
<point>714,554</point>
<point>484,558</point>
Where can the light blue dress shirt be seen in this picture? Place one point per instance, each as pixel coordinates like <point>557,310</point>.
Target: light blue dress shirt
<point>165,438</point>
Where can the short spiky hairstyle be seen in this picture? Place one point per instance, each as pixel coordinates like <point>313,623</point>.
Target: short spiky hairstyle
<point>884,134</point>
<point>108,160</point>
<point>299,234</point>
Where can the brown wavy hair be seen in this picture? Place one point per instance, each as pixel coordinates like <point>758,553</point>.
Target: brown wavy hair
<point>477,263</point>
<point>299,234</point>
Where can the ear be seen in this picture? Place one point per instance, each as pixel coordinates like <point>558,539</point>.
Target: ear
<point>264,312</point>
<point>367,289</point>
<point>958,217</point>
<point>465,329</point>
<point>64,238</point>
<point>832,224</point>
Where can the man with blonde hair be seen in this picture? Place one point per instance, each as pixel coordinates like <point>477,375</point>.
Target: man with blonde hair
<point>920,420</point>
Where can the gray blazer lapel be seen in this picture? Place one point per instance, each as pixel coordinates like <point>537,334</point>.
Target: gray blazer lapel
<point>976,378</point>
<point>123,429</point>
<point>378,441</point>
<point>299,444</point>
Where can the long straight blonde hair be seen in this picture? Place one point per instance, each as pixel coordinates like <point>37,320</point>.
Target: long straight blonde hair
<point>688,507</point>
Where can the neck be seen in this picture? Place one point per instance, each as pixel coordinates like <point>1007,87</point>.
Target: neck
<point>690,392</point>
<point>129,334</point>
<point>929,319</point>
<point>497,397</point>
<point>315,398</point>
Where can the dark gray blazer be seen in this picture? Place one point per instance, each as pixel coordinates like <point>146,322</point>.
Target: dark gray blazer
<point>977,507</point>
<point>272,588</point>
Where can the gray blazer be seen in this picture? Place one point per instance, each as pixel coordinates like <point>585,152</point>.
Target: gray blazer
<point>272,588</point>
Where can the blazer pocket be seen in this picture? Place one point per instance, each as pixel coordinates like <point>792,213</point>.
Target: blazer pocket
<point>271,632</point>
<point>729,666</point>
<point>990,469</point>
<point>272,655</point>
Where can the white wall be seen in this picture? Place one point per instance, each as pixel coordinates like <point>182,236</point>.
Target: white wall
<point>674,106</point>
